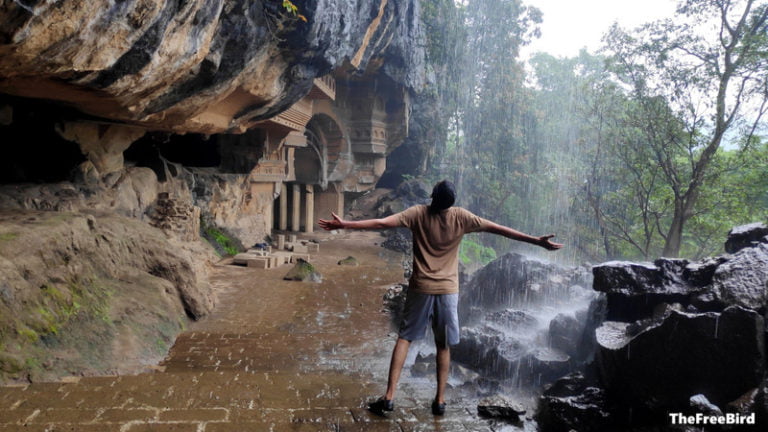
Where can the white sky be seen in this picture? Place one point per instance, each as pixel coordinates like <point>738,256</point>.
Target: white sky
<point>570,25</point>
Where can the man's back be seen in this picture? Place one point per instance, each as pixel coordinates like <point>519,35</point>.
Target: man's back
<point>436,240</point>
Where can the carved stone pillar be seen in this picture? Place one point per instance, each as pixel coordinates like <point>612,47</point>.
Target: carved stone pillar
<point>296,209</point>
<point>309,208</point>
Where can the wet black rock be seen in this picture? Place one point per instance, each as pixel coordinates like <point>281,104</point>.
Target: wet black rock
<point>408,193</point>
<point>746,236</point>
<point>761,403</point>
<point>721,355</point>
<point>478,346</point>
<point>742,279</point>
<point>745,404</point>
<point>500,407</point>
<point>634,290</point>
<point>506,310</point>
<point>424,365</point>
<point>398,240</point>
<point>565,333</point>
<point>700,404</point>
<point>515,281</point>
<point>512,319</point>
<point>573,403</point>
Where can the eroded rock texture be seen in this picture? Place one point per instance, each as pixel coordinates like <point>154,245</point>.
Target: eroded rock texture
<point>92,292</point>
<point>677,333</point>
<point>166,64</point>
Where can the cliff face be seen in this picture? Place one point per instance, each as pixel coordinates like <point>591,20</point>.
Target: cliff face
<point>127,125</point>
<point>163,63</point>
<point>92,292</point>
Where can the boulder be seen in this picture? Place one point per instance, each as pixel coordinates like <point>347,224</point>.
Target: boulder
<point>565,333</point>
<point>349,261</point>
<point>408,193</point>
<point>719,354</point>
<point>744,404</point>
<point>461,375</point>
<point>303,271</point>
<point>633,290</point>
<point>746,236</point>
<point>700,404</point>
<point>519,282</point>
<point>512,319</point>
<point>572,403</point>
<point>742,279</point>
<point>500,407</point>
<point>424,365</point>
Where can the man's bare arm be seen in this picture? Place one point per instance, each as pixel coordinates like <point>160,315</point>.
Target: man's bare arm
<point>339,223</point>
<point>543,241</point>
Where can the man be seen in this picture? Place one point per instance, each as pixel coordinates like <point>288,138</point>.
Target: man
<point>434,285</point>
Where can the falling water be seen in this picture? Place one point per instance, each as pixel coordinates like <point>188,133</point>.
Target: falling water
<point>523,322</point>
<point>717,322</point>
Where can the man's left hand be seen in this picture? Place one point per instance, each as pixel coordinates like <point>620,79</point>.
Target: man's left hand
<point>547,244</point>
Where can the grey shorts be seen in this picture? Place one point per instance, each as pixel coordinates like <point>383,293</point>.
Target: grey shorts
<point>441,310</point>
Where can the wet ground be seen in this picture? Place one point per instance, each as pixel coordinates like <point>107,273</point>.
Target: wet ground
<point>274,356</point>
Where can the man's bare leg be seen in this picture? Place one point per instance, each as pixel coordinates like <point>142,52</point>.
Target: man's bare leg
<point>443,368</point>
<point>399,353</point>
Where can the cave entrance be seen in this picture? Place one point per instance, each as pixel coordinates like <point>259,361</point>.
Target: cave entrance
<point>33,152</point>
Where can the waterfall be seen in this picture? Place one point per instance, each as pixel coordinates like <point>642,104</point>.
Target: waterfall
<point>525,322</point>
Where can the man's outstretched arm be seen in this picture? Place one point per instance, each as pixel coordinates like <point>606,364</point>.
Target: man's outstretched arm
<point>391,221</point>
<point>543,241</point>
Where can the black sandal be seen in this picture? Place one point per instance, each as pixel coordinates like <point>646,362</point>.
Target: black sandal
<point>438,409</point>
<point>380,405</point>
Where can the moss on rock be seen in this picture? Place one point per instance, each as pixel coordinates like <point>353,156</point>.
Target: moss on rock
<point>303,271</point>
<point>349,261</point>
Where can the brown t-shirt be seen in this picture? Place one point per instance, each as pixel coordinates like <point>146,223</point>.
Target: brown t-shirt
<point>436,239</point>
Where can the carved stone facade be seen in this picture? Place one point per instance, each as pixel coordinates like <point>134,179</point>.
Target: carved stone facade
<point>333,141</point>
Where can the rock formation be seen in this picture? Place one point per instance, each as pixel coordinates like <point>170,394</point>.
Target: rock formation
<point>677,333</point>
<point>510,324</point>
<point>92,292</point>
<point>236,115</point>
<point>175,65</point>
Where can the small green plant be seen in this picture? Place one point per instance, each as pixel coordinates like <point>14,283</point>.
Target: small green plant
<point>471,253</point>
<point>293,10</point>
<point>218,239</point>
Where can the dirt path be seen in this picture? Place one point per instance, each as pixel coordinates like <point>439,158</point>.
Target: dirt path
<point>274,356</point>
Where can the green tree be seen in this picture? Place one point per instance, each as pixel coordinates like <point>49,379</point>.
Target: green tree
<point>694,90</point>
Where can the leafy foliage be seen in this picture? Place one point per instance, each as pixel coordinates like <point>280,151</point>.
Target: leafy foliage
<point>656,147</point>
<point>292,9</point>
<point>471,252</point>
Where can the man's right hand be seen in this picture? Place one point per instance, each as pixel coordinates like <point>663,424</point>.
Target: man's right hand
<point>329,225</point>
